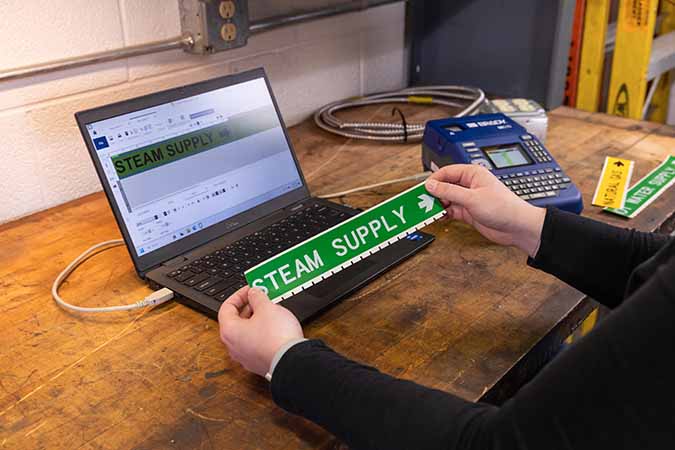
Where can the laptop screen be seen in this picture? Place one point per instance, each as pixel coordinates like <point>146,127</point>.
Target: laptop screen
<point>180,167</point>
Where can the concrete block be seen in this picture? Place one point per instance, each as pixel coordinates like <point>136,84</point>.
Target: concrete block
<point>304,78</point>
<point>261,9</point>
<point>27,91</point>
<point>384,65</point>
<point>278,70</point>
<point>149,20</point>
<point>386,16</point>
<point>154,20</point>
<point>322,73</point>
<point>20,187</point>
<point>43,31</point>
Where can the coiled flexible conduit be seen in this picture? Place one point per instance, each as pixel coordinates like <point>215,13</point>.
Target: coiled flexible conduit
<point>469,99</point>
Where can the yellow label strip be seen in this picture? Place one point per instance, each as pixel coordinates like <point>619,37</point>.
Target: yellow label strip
<point>613,184</point>
<point>420,99</point>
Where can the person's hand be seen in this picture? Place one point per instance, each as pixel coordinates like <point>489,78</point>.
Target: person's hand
<point>470,193</point>
<point>254,329</point>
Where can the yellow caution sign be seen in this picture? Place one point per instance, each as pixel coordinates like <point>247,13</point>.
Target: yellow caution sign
<point>634,35</point>
<point>613,183</point>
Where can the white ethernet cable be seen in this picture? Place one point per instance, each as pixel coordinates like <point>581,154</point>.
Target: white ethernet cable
<point>156,298</point>
<point>164,294</point>
<point>416,177</point>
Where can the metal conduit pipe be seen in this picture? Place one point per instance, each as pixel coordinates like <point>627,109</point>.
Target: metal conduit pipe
<point>177,42</point>
<point>99,57</point>
<point>467,99</point>
<point>271,23</point>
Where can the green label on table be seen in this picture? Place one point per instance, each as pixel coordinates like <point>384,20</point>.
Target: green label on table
<point>648,189</point>
<point>339,247</point>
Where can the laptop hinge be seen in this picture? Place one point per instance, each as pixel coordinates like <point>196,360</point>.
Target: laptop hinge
<point>297,206</point>
<point>175,262</point>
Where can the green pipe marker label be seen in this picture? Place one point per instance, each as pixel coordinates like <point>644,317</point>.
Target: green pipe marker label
<point>647,189</point>
<point>337,248</point>
<point>236,127</point>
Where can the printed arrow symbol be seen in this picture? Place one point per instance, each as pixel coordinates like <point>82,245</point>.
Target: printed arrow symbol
<point>619,164</point>
<point>426,203</point>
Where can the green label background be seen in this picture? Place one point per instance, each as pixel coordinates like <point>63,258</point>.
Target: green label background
<point>237,127</point>
<point>412,213</point>
<point>652,185</point>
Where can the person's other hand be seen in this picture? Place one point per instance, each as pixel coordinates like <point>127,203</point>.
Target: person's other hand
<point>254,329</point>
<point>470,193</point>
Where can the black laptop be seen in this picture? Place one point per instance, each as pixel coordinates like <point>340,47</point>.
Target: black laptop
<point>204,184</point>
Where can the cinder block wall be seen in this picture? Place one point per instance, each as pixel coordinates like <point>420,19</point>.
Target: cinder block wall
<point>44,161</point>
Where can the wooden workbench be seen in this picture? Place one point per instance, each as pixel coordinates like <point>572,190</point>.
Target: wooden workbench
<point>459,316</point>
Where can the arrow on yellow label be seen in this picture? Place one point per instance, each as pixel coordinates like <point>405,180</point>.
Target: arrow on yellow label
<point>613,183</point>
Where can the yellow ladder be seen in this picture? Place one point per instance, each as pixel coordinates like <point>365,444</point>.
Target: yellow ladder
<point>592,54</point>
<point>634,35</point>
<point>659,103</point>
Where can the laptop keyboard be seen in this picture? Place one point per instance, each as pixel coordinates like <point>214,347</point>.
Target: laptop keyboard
<point>221,273</point>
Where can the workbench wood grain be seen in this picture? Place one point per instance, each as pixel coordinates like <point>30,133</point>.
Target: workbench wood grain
<point>456,317</point>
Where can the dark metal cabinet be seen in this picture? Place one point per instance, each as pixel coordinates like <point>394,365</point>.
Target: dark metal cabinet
<point>508,48</point>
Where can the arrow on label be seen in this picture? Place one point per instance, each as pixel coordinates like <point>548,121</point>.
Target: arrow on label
<point>619,164</point>
<point>426,203</point>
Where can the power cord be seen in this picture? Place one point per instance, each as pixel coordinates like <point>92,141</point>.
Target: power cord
<point>156,298</point>
<point>416,177</point>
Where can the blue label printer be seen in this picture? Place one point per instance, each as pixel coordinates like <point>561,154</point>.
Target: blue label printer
<point>505,148</point>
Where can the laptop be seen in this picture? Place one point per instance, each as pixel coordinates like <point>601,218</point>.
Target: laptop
<point>204,184</point>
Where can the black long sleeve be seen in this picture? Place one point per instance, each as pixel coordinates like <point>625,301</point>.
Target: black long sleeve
<point>368,409</point>
<point>591,256</point>
<point>613,389</point>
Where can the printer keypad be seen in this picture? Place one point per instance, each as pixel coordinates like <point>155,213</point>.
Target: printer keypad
<point>537,150</point>
<point>538,184</point>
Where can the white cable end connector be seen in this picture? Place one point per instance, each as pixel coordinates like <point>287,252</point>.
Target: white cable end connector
<point>156,298</point>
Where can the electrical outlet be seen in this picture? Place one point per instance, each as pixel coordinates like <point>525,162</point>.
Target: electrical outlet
<point>215,25</point>
<point>228,32</point>
<point>227,9</point>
